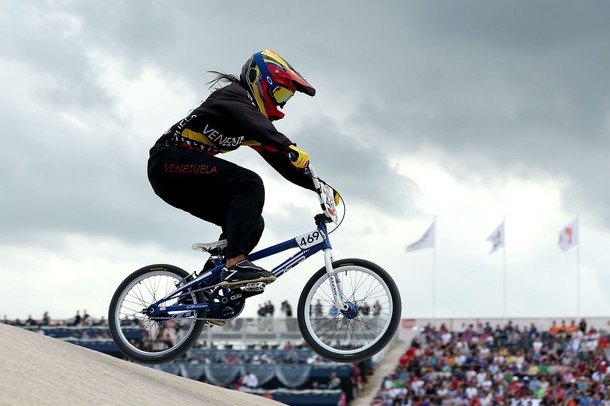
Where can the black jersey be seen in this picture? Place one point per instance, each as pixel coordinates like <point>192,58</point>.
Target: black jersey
<point>228,119</point>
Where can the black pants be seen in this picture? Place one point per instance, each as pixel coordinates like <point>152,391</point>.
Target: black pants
<point>212,189</point>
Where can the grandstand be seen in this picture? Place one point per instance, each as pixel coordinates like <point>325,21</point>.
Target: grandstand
<point>486,362</point>
<point>442,361</point>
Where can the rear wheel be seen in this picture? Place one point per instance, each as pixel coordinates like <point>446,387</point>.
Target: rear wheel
<point>369,323</point>
<point>145,339</point>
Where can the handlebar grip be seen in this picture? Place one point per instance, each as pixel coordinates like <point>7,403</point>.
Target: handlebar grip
<point>292,156</point>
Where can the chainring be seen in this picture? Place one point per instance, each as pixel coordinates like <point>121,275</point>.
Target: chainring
<point>225,307</point>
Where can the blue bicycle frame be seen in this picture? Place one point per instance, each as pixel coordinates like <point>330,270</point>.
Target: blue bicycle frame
<point>307,243</point>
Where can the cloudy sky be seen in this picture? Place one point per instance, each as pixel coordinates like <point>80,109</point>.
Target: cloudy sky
<point>465,111</point>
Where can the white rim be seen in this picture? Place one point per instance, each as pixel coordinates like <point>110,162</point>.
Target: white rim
<point>387,315</point>
<point>120,304</point>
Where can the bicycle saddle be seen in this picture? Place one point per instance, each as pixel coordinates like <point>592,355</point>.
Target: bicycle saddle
<point>214,248</point>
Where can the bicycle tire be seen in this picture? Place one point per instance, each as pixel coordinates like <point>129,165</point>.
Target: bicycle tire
<point>141,338</point>
<point>331,333</point>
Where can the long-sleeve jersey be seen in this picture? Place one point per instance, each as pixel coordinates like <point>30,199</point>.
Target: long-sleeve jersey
<point>228,119</point>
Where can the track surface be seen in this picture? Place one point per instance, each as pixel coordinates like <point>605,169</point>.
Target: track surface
<point>39,370</point>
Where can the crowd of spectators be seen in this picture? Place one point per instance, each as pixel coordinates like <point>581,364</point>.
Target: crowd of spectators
<point>267,309</point>
<point>79,320</point>
<point>83,319</point>
<point>505,365</point>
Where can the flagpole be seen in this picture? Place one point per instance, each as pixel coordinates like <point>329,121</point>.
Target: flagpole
<point>434,277</point>
<point>504,271</point>
<point>578,267</point>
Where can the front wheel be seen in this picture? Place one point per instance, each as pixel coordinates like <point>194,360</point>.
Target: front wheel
<point>370,321</point>
<point>153,340</point>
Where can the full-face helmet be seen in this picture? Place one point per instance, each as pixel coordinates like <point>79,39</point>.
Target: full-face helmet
<point>272,82</point>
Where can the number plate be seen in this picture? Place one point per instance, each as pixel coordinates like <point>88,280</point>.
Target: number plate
<point>310,239</point>
<point>329,203</point>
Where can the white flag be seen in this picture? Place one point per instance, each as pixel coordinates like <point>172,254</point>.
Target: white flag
<point>426,241</point>
<point>568,236</point>
<point>497,238</point>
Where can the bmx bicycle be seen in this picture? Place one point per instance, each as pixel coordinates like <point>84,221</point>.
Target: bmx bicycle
<point>159,311</point>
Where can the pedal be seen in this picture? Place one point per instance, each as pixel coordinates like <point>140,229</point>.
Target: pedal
<point>214,323</point>
<point>254,287</point>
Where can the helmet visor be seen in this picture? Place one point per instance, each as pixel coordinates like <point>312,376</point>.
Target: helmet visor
<point>282,94</point>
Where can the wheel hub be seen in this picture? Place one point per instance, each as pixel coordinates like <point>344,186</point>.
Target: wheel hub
<point>351,312</point>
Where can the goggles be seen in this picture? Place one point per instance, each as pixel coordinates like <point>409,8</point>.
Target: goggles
<point>281,95</point>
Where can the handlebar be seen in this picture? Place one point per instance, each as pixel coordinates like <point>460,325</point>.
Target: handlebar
<point>322,188</point>
<point>309,170</point>
<point>291,155</point>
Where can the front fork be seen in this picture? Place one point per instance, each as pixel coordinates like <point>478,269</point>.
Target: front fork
<point>335,286</point>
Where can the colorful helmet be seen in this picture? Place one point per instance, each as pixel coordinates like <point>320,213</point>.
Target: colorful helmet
<point>272,81</point>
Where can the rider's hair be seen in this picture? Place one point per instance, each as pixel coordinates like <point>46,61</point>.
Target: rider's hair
<point>221,77</point>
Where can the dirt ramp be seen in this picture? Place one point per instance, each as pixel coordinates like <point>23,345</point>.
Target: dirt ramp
<point>39,370</point>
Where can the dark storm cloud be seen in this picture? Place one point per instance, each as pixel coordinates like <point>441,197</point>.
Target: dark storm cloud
<point>496,87</point>
<point>507,71</point>
<point>49,46</point>
<point>356,168</point>
<point>511,88</point>
<point>79,180</point>
<point>64,181</point>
